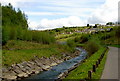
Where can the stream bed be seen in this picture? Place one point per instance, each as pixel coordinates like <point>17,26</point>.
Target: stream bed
<point>55,71</point>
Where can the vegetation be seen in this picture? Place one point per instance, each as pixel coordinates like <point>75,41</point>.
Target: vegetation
<point>91,47</point>
<point>16,51</point>
<point>13,18</point>
<point>21,44</point>
<point>71,45</point>
<point>99,70</point>
<point>111,38</point>
<point>15,27</point>
<point>82,39</point>
<point>81,72</point>
<point>10,33</point>
<point>118,46</point>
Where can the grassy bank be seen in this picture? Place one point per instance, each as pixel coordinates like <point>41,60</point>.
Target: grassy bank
<point>117,45</point>
<point>99,70</point>
<point>16,51</point>
<point>81,72</point>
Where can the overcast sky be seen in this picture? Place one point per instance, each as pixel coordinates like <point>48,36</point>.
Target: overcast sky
<point>49,14</point>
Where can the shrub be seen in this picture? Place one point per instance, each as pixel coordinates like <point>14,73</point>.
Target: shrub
<point>70,45</point>
<point>117,32</point>
<point>92,46</point>
<point>105,36</point>
<point>82,39</point>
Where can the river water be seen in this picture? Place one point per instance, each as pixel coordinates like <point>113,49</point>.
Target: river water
<point>53,73</point>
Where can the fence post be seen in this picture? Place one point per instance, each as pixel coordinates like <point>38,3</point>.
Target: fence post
<point>98,61</point>
<point>89,74</point>
<point>94,68</point>
<point>96,64</point>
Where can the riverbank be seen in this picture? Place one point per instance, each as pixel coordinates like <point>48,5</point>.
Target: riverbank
<point>55,72</point>
<point>81,72</point>
<point>28,68</point>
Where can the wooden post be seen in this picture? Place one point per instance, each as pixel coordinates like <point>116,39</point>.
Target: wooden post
<point>96,64</point>
<point>94,68</point>
<point>100,58</point>
<point>89,74</point>
<point>98,61</point>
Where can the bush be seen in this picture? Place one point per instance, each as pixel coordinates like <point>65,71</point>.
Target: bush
<point>92,46</point>
<point>105,36</point>
<point>82,39</point>
<point>70,45</point>
<point>117,32</point>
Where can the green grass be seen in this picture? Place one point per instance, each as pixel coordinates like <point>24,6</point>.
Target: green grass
<point>0,58</point>
<point>61,36</point>
<point>17,44</point>
<point>64,37</point>
<point>20,51</point>
<point>99,70</point>
<point>81,72</point>
<point>117,45</point>
<point>17,56</point>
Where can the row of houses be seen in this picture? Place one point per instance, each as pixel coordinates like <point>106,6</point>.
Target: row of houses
<point>90,31</point>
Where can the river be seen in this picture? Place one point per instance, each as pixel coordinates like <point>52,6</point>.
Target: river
<point>55,71</point>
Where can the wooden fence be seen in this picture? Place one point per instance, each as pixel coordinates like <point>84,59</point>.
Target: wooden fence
<point>96,65</point>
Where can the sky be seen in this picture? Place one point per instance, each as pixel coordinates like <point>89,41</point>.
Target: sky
<point>50,14</point>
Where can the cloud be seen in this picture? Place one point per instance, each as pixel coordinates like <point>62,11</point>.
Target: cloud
<point>43,13</point>
<point>33,24</point>
<point>15,3</point>
<point>76,13</point>
<point>108,12</point>
<point>57,23</point>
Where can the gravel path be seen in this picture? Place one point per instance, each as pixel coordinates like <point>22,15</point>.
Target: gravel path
<point>111,67</point>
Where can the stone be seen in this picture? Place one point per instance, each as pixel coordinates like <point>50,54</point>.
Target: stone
<point>59,61</point>
<point>53,64</point>
<point>9,77</point>
<point>45,67</point>
<point>24,64</point>
<point>36,72</point>
<point>29,64</point>
<point>25,75</point>
<point>4,70</point>
<point>60,75</point>
<point>38,63</point>
<point>19,65</point>
<point>17,71</point>
<point>23,69</point>
<point>22,75</point>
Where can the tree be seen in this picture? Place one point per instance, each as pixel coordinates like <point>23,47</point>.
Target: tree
<point>109,23</point>
<point>87,25</point>
<point>95,26</point>
<point>13,18</point>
